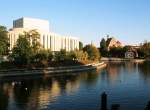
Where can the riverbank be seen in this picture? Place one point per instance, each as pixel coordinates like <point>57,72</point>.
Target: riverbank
<point>123,59</point>
<point>50,70</point>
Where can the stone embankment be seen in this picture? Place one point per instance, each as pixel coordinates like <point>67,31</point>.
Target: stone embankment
<point>50,70</point>
<point>122,59</point>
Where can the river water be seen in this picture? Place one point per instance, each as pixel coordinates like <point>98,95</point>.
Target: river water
<point>125,83</point>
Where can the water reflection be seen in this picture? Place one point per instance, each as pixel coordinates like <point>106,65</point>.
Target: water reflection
<point>145,70</point>
<point>39,93</point>
<point>77,90</point>
<point>4,96</point>
<point>116,69</point>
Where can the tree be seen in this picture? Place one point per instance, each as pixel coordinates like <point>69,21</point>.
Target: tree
<point>93,53</point>
<point>117,51</point>
<point>3,41</point>
<point>33,37</point>
<point>22,52</point>
<point>140,53</point>
<point>103,48</point>
<point>80,45</point>
<point>50,55</point>
<point>27,48</point>
<point>61,55</point>
<point>72,55</point>
<point>103,45</point>
<point>81,55</point>
<point>43,55</point>
<point>146,48</point>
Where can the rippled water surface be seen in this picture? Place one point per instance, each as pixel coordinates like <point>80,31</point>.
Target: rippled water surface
<point>126,83</point>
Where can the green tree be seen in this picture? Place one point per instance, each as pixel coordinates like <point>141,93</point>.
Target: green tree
<point>117,52</point>
<point>146,48</point>
<point>50,55</point>
<point>22,52</point>
<point>93,52</point>
<point>3,41</point>
<point>140,53</point>
<point>103,48</point>
<point>33,37</point>
<point>28,46</point>
<point>103,45</point>
<point>72,55</point>
<point>81,55</point>
<point>80,45</point>
<point>61,55</point>
<point>43,55</point>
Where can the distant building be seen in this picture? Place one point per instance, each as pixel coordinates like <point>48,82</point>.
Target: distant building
<point>112,42</point>
<point>133,47</point>
<point>132,52</point>
<point>130,55</point>
<point>48,40</point>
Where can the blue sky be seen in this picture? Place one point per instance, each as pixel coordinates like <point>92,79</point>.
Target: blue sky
<point>127,20</point>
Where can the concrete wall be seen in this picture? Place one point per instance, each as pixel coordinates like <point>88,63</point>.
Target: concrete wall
<point>31,23</point>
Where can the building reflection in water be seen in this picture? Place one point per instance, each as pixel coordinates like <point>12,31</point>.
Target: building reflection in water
<point>48,95</point>
<point>32,93</point>
<point>72,87</point>
<point>39,93</point>
<point>4,96</point>
<point>112,71</point>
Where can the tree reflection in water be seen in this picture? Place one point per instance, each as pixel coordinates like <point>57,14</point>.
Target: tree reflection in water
<point>4,96</point>
<point>39,92</point>
<point>145,71</point>
<point>77,90</point>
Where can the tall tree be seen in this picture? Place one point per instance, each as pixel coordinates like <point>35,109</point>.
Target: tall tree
<point>22,52</point>
<point>103,45</point>
<point>146,48</point>
<point>33,37</point>
<point>80,45</point>
<point>3,41</point>
<point>93,53</point>
<point>103,48</point>
<point>81,55</point>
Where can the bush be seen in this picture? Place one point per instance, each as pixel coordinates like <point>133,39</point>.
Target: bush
<point>43,55</point>
<point>71,55</point>
<point>61,55</point>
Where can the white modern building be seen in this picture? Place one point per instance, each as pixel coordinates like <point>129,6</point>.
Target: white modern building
<point>48,40</point>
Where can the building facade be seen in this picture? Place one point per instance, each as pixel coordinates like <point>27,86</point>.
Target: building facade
<point>48,40</point>
<point>131,52</point>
